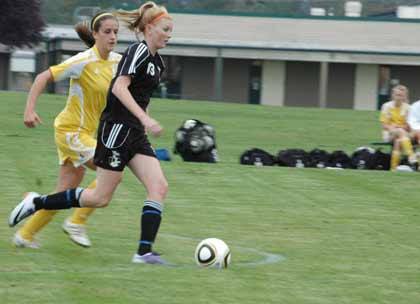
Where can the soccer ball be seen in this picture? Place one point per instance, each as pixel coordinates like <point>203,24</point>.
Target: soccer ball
<point>209,129</point>
<point>180,136</point>
<point>189,124</point>
<point>196,144</point>
<point>208,141</point>
<point>213,253</point>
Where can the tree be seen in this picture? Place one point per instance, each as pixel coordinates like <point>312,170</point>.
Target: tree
<point>21,22</point>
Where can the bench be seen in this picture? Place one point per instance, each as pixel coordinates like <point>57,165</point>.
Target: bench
<point>416,146</point>
<point>383,143</point>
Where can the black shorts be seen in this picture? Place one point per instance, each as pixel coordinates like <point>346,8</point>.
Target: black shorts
<point>118,143</point>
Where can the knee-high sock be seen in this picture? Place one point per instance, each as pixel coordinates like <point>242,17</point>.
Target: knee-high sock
<point>62,200</point>
<point>35,223</point>
<point>80,215</point>
<point>407,147</point>
<point>395,159</point>
<point>150,222</point>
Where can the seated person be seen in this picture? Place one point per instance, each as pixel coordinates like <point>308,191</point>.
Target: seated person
<point>414,121</point>
<point>394,116</point>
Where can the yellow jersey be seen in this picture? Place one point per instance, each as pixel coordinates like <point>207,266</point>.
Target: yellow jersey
<point>391,114</point>
<point>90,77</point>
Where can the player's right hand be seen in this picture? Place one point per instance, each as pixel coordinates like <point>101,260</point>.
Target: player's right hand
<point>153,127</point>
<point>156,130</point>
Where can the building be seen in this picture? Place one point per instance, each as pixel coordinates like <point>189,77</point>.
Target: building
<point>318,62</point>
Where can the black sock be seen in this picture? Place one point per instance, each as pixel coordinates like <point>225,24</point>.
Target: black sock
<point>150,222</point>
<point>61,200</point>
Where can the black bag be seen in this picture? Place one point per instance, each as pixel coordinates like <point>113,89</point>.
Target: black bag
<point>195,141</point>
<point>293,158</point>
<point>318,158</point>
<point>339,159</point>
<point>363,158</point>
<point>382,160</point>
<point>257,157</point>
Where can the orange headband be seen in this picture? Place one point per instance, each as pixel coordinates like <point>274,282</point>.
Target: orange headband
<point>160,16</point>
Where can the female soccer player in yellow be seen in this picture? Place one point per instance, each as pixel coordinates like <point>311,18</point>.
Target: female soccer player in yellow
<point>90,73</point>
<point>395,128</point>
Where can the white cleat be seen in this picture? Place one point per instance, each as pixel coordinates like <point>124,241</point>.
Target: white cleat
<point>25,208</point>
<point>77,233</point>
<point>19,241</point>
<point>148,258</point>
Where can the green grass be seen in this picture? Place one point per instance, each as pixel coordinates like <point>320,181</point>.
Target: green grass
<point>346,236</point>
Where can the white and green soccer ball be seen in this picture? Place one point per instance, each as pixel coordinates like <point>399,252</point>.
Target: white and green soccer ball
<point>212,253</point>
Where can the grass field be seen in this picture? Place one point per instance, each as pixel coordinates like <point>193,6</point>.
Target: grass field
<point>296,235</point>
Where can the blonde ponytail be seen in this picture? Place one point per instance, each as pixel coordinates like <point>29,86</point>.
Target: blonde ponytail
<point>136,20</point>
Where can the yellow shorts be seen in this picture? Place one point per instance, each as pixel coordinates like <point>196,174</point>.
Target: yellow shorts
<point>77,147</point>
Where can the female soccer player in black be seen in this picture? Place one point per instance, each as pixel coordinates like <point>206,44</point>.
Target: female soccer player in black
<point>122,139</point>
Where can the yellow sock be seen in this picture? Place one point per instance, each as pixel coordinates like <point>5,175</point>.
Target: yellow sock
<point>80,215</point>
<point>395,159</point>
<point>407,147</point>
<point>36,223</point>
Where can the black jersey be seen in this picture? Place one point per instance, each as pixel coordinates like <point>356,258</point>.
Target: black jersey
<point>145,71</point>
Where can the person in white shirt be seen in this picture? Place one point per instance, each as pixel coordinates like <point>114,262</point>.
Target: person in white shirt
<point>414,121</point>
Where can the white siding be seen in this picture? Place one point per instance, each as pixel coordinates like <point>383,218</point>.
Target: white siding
<point>273,82</point>
<point>366,87</point>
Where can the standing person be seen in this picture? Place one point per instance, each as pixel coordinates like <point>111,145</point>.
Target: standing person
<point>122,139</point>
<point>395,129</point>
<point>90,73</point>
